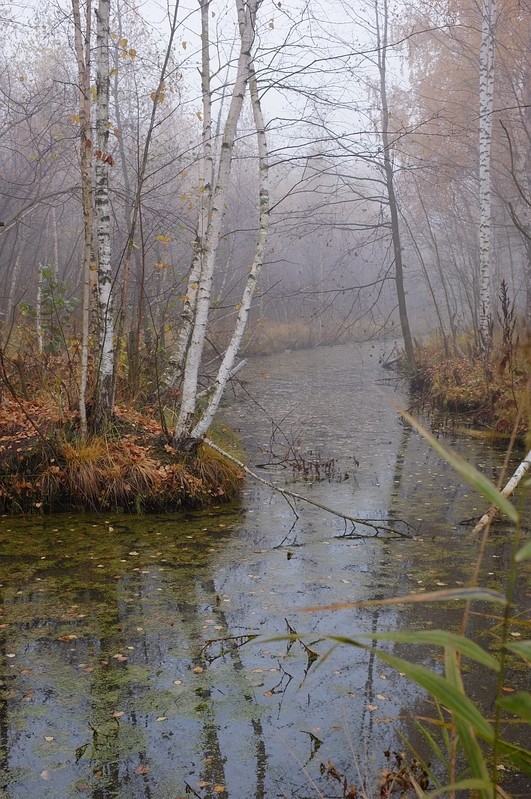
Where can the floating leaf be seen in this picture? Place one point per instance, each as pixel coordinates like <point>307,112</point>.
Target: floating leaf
<point>467,471</point>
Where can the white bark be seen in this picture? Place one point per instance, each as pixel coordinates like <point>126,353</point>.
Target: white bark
<point>206,178</point>
<point>83,67</point>
<point>507,491</point>
<point>105,376</point>
<point>226,369</point>
<point>486,98</point>
<point>246,19</point>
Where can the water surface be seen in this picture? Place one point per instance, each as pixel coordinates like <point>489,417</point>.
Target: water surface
<point>128,657</point>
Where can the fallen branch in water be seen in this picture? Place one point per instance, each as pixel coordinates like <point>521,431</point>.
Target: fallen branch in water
<point>506,492</point>
<point>373,524</point>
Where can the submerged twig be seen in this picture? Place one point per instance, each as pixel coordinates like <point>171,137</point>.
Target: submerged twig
<point>373,524</point>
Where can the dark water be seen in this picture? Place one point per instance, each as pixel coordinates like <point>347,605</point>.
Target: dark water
<point>126,659</point>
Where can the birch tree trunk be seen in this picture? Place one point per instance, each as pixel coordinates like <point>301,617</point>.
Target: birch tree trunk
<point>185,423</point>
<point>382,23</point>
<point>104,399</point>
<point>177,360</point>
<point>486,97</point>
<point>226,369</point>
<point>83,69</point>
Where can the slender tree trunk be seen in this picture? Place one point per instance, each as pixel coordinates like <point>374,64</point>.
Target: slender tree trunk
<point>104,404</point>
<point>486,97</point>
<point>83,68</point>
<point>10,308</point>
<point>177,360</point>
<point>185,422</point>
<point>382,38</point>
<point>440,269</point>
<point>428,283</point>
<point>38,311</point>
<point>227,365</point>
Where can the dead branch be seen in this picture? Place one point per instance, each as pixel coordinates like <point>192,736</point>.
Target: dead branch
<point>373,524</point>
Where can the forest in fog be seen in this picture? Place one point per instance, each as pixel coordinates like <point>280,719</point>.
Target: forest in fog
<point>183,182</point>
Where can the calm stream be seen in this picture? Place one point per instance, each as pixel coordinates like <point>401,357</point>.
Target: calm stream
<point>127,671</point>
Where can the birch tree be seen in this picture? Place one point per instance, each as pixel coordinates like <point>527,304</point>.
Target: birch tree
<point>82,38</point>
<point>104,399</point>
<point>486,100</point>
<point>177,359</point>
<point>226,368</point>
<point>185,427</point>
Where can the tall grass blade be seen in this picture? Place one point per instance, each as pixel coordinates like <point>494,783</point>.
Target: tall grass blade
<point>524,553</point>
<point>461,785</point>
<point>522,648</point>
<point>467,738</point>
<point>447,595</point>
<point>517,755</point>
<point>519,704</point>
<point>468,472</point>
<point>440,638</point>
<point>443,691</point>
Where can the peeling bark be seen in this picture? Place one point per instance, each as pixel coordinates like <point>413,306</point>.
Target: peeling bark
<point>104,401</point>
<point>83,69</point>
<point>185,422</point>
<point>486,100</point>
<point>226,369</point>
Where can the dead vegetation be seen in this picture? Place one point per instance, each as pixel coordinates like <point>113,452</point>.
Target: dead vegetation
<point>46,465</point>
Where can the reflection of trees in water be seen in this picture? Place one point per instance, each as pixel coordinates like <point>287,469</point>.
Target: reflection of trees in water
<point>217,734</point>
<point>4,707</point>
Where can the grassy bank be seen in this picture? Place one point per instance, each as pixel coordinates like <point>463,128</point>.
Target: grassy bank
<point>45,465</point>
<point>492,394</point>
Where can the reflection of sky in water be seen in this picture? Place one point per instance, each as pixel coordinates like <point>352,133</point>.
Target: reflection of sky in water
<point>121,684</point>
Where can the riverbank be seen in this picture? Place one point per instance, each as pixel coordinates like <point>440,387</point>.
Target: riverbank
<point>46,466</point>
<point>492,396</point>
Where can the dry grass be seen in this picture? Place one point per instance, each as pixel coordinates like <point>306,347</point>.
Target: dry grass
<point>131,468</point>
